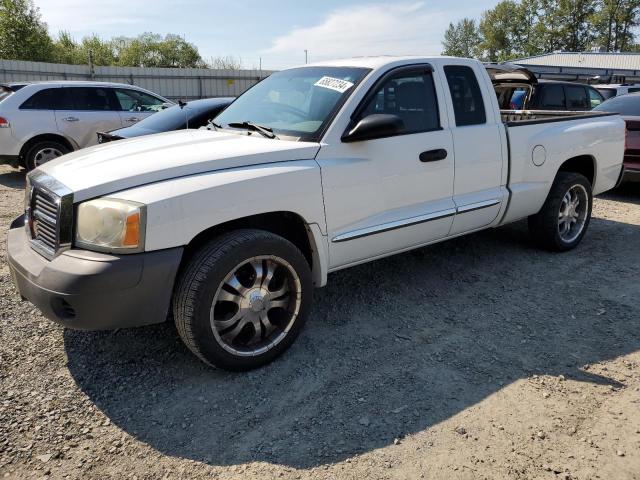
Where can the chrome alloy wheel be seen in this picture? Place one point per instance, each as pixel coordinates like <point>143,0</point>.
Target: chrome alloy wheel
<point>46,154</point>
<point>573,213</point>
<point>256,305</point>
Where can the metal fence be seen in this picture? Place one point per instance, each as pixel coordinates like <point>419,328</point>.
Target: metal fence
<point>172,83</point>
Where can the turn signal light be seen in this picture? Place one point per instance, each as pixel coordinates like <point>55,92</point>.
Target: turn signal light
<point>132,231</point>
<point>4,123</point>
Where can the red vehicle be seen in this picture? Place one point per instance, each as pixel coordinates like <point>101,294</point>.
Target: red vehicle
<point>628,106</point>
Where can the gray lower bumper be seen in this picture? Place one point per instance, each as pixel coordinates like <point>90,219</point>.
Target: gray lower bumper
<point>94,291</point>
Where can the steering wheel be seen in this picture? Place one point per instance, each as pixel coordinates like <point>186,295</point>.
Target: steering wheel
<point>302,115</point>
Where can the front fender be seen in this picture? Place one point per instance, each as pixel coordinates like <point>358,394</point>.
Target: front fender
<point>179,209</point>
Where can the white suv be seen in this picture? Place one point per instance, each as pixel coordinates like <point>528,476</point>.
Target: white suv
<point>44,120</point>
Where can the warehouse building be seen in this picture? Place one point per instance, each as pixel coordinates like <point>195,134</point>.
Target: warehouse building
<point>592,67</point>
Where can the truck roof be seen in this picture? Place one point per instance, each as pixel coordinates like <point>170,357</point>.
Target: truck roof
<point>385,60</point>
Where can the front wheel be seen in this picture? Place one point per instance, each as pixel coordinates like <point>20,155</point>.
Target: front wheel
<point>563,220</point>
<point>43,152</point>
<point>242,299</point>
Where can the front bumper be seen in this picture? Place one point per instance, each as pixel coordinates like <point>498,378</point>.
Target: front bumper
<point>94,291</point>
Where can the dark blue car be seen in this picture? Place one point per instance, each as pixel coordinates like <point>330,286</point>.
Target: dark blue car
<point>194,114</point>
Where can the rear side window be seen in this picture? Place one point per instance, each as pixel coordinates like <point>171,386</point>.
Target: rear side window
<point>468,105</point>
<point>412,97</point>
<point>94,99</point>
<point>576,98</point>
<point>634,90</point>
<point>552,97</point>
<point>47,99</point>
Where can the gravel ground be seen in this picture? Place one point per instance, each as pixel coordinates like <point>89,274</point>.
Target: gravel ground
<point>481,357</point>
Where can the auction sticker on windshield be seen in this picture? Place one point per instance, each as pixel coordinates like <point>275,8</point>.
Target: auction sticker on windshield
<point>334,84</point>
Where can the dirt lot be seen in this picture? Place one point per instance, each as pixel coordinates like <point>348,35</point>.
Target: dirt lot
<point>478,358</point>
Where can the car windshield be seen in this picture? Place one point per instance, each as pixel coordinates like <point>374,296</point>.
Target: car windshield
<point>298,102</point>
<point>624,105</point>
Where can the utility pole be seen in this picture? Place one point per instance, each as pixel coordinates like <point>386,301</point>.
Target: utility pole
<point>306,56</point>
<point>92,73</point>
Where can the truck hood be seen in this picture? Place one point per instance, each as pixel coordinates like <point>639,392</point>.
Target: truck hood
<point>124,164</point>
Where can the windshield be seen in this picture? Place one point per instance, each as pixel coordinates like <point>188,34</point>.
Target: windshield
<point>298,102</point>
<point>624,105</point>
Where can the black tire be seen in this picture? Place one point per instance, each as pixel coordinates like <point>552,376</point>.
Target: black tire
<point>544,226</point>
<point>203,276</point>
<point>31,159</point>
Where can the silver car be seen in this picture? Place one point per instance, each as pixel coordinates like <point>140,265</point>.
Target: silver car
<point>44,120</point>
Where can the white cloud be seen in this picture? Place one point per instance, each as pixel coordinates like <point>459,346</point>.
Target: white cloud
<point>81,17</point>
<point>378,29</point>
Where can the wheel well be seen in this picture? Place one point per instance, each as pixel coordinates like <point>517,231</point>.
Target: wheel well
<point>51,137</point>
<point>583,164</point>
<point>288,225</point>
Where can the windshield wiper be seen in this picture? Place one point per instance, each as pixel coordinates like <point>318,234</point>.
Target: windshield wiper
<point>254,127</point>
<point>213,124</point>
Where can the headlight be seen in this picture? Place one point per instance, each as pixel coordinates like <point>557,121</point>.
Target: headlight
<point>111,225</point>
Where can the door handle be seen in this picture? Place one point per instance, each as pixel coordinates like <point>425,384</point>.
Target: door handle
<point>433,155</point>
<point>71,119</point>
<point>133,119</point>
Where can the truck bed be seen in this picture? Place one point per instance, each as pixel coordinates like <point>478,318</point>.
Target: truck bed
<point>513,118</point>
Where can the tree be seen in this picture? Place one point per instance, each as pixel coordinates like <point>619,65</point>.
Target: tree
<point>152,50</point>
<point>23,35</point>
<point>501,33</point>
<point>461,39</point>
<point>566,25</point>
<point>614,24</point>
<point>146,50</point>
<point>225,63</point>
<point>521,28</point>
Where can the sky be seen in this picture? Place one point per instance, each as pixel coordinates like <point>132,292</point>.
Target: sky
<point>275,32</point>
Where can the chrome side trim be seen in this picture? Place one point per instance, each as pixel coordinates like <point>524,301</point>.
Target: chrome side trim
<point>385,227</point>
<point>478,205</point>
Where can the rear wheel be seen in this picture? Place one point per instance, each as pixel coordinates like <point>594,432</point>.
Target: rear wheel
<point>43,152</point>
<point>243,298</point>
<point>564,218</point>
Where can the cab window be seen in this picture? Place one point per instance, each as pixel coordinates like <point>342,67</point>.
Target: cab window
<point>468,105</point>
<point>410,96</point>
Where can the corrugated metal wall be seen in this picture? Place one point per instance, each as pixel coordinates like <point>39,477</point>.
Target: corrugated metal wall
<point>172,83</point>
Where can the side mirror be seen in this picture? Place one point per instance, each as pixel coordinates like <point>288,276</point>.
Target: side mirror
<point>374,126</point>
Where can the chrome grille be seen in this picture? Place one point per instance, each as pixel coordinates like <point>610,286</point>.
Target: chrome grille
<point>49,215</point>
<point>44,219</point>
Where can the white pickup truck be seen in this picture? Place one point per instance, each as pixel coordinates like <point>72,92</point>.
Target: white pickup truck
<point>313,170</point>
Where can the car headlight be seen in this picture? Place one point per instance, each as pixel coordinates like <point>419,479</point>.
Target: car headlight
<point>111,225</point>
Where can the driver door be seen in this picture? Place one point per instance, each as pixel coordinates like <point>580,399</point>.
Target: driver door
<point>388,194</point>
